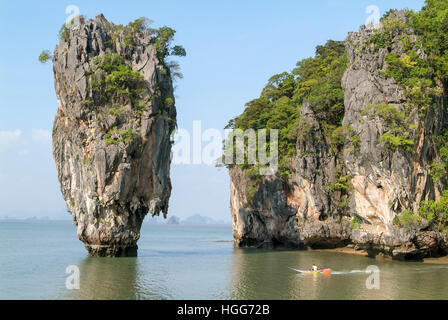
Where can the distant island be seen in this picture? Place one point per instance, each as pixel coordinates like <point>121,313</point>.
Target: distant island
<point>8,218</point>
<point>195,220</point>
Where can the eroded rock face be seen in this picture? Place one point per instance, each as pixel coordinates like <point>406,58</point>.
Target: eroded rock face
<point>112,156</point>
<point>303,213</point>
<point>388,182</point>
<point>300,213</point>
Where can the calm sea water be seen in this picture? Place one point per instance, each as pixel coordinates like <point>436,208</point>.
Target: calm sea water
<point>183,262</point>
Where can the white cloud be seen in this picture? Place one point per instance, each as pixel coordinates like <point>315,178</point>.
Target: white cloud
<point>8,138</point>
<point>41,135</point>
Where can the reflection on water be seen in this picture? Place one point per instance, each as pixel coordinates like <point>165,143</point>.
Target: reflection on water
<point>106,279</point>
<point>117,279</point>
<point>255,274</point>
<point>261,274</point>
<point>174,262</point>
<point>266,274</point>
<point>180,262</point>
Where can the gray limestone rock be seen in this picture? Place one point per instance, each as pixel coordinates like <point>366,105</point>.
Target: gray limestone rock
<point>112,158</point>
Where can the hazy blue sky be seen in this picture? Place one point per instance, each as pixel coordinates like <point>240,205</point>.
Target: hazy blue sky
<point>233,48</point>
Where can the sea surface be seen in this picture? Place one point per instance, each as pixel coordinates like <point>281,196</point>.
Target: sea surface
<point>197,262</point>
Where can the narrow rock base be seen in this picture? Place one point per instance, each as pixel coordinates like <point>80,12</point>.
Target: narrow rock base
<point>111,251</point>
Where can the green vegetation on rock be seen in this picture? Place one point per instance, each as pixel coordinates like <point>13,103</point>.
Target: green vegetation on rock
<point>64,32</point>
<point>422,70</point>
<point>44,56</point>
<point>162,37</point>
<point>316,81</point>
<point>129,32</point>
<point>113,81</point>
<point>436,212</point>
<point>398,129</point>
<point>114,111</point>
<point>407,220</point>
<point>343,183</point>
<point>356,223</point>
<point>342,187</point>
<point>439,166</point>
<point>115,135</point>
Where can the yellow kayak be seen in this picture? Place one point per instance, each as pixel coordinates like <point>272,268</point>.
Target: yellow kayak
<point>320,271</point>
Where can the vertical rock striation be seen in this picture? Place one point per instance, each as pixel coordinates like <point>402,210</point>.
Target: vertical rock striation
<point>111,134</point>
<point>387,182</point>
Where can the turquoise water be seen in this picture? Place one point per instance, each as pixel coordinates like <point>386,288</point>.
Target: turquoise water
<point>187,262</point>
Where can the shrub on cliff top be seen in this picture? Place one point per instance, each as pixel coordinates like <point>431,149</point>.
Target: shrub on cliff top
<point>164,37</point>
<point>382,38</point>
<point>162,41</point>
<point>140,25</point>
<point>64,32</point>
<point>319,81</point>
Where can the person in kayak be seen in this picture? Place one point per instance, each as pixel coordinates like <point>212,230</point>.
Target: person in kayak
<point>314,268</point>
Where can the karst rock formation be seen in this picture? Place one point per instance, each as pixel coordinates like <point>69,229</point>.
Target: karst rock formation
<point>302,212</point>
<point>111,134</point>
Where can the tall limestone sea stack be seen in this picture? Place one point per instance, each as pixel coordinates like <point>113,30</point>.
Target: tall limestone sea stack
<point>111,134</point>
<point>363,145</point>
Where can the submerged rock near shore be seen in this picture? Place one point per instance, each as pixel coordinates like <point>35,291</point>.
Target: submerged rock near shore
<point>363,151</point>
<point>111,134</point>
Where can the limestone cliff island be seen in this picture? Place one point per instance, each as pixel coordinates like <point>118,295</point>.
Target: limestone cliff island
<point>363,145</point>
<point>111,135</point>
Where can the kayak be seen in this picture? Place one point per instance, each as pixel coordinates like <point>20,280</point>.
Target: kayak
<point>320,271</point>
